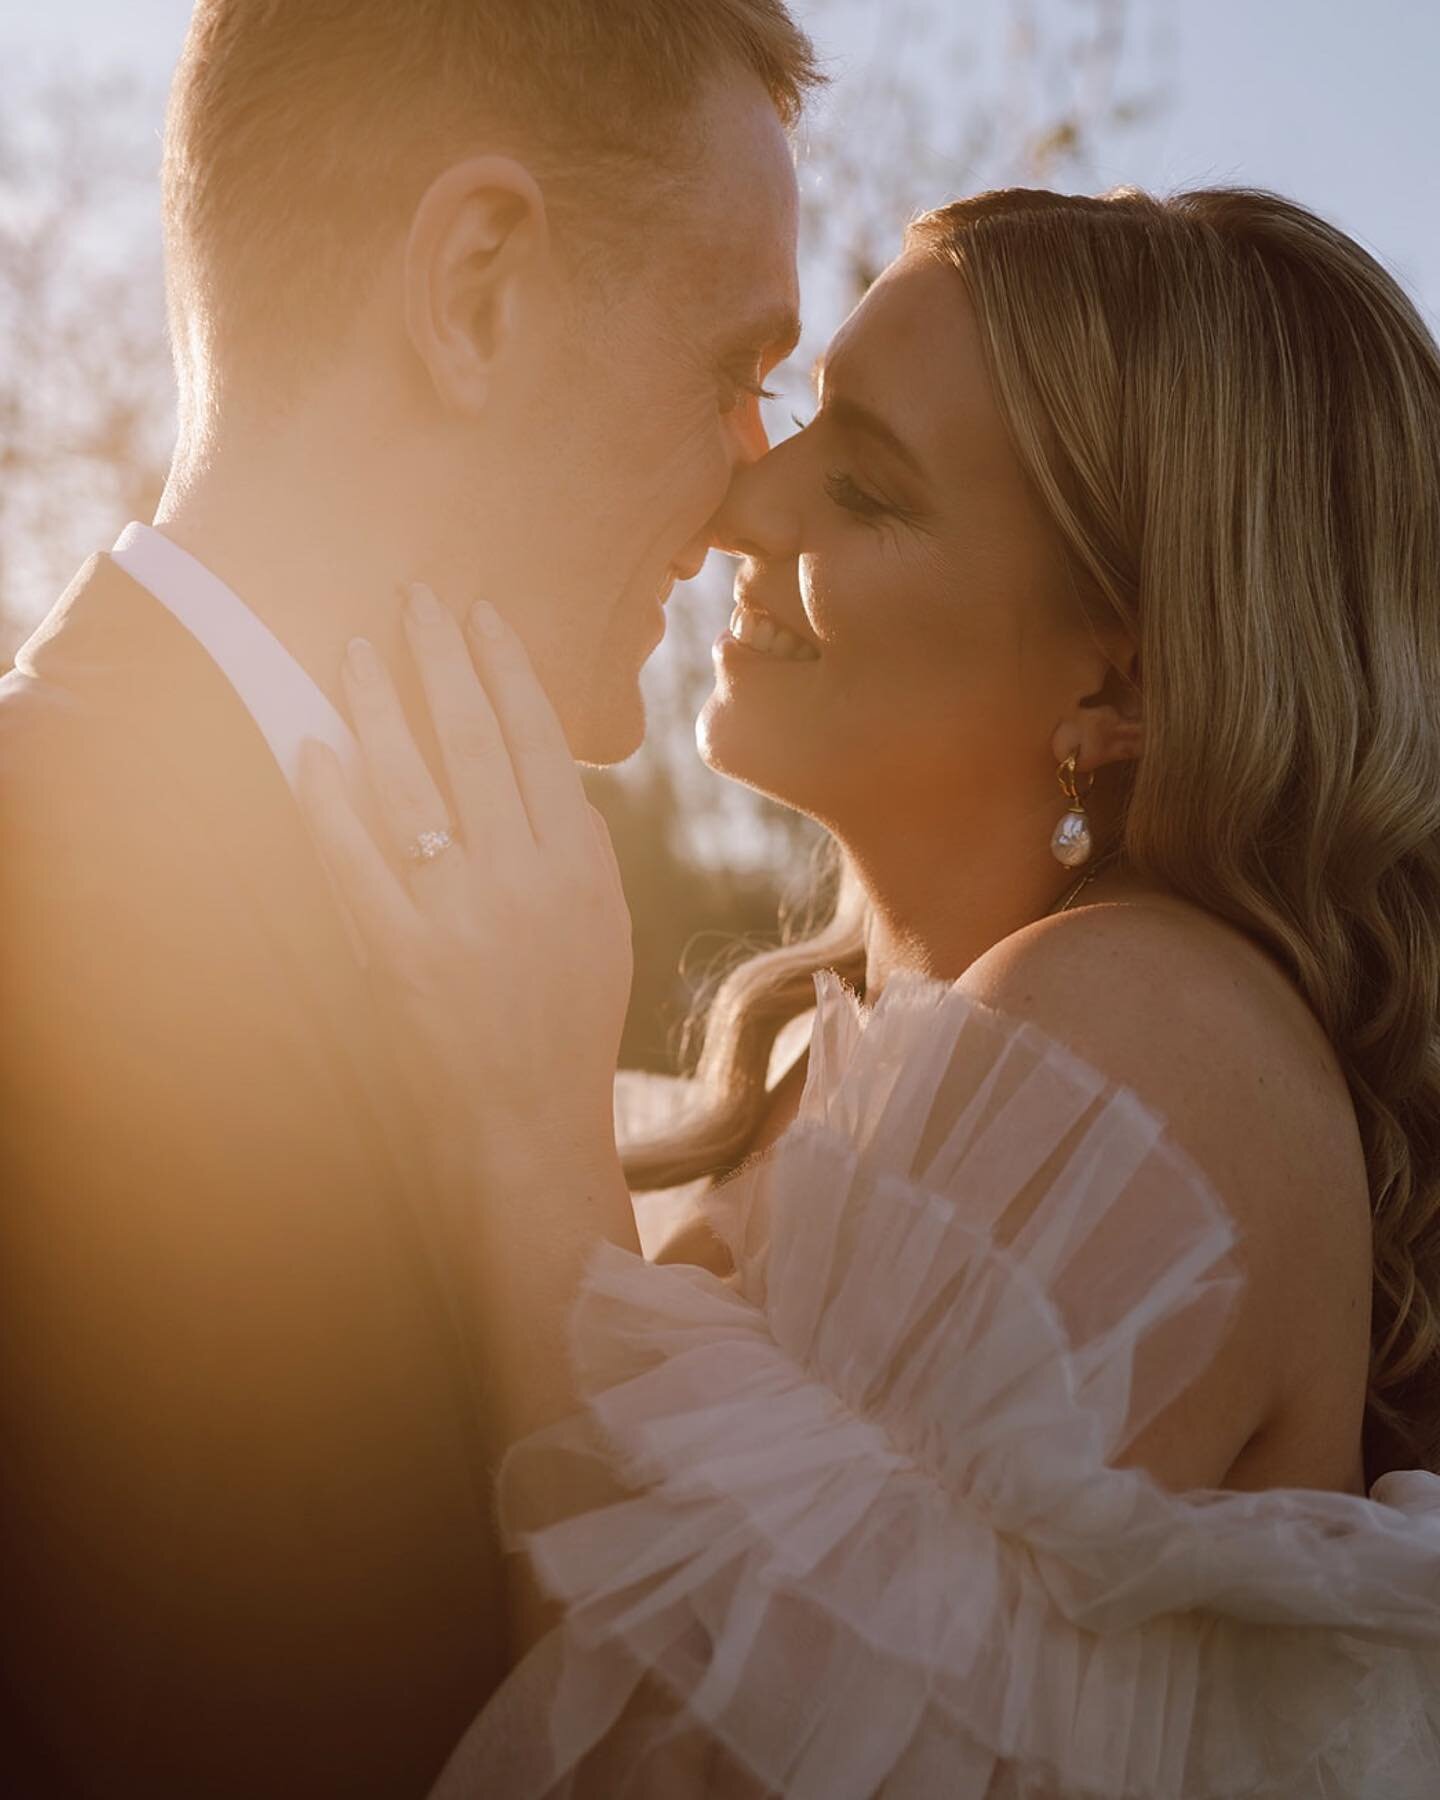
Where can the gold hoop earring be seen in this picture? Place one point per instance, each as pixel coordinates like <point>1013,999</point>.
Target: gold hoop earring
<point>1071,843</point>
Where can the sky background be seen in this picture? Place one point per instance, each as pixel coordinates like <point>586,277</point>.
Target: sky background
<point>1333,102</point>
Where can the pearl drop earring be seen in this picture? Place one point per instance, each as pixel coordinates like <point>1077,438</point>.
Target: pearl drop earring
<point>1071,842</point>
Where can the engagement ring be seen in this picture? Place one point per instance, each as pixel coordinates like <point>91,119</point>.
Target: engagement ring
<point>428,846</point>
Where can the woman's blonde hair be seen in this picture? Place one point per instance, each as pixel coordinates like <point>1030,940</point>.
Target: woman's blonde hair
<point>1232,415</point>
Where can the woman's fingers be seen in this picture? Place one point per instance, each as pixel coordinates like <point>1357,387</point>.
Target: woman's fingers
<point>607,849</point>
<point>545,771</point>
<point>477,760</point>
<point>384,914</point>
<point>409,802</point>
<point>515,786</point>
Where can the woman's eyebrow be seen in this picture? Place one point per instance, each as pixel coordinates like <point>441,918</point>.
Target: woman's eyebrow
<point>851,416</point>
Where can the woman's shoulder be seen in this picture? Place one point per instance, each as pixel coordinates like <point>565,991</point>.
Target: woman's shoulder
<point>1206,1029</point>
<point>1179,1004</point>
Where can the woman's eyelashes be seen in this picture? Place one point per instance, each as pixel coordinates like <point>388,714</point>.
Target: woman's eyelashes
<point>848,494</point>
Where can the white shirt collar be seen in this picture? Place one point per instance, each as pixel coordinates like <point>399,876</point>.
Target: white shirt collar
<point>280,697</point>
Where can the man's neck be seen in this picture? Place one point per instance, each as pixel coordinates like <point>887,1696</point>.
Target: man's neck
<point>315,573</point>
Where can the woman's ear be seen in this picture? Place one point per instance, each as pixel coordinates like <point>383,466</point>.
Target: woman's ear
<point>1108,726</point>
<point>479,244</point>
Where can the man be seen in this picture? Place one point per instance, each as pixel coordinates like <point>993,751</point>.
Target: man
<point>479,292</point>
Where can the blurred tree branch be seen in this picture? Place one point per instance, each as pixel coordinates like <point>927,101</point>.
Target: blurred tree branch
<point>86,408</point>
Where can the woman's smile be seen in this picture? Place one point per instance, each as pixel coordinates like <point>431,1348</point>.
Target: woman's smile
<point>758,631</point>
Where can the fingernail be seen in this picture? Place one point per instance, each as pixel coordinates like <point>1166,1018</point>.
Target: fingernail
<point>423,604</point>
<point>362,661</point>
<point>485,620</point>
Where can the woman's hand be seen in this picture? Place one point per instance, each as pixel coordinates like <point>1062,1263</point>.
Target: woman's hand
<point>501,936</point>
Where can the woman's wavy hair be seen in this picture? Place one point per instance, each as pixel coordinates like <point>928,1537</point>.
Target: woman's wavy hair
<point>1232,415</point>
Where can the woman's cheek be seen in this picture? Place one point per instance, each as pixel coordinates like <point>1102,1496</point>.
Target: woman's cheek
<point>869,623</point>
<point>838,603</point>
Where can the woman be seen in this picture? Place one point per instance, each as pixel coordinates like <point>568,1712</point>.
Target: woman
<point>1058,1412</point>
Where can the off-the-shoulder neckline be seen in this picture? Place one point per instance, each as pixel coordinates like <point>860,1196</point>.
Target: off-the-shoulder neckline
<point>832,990</point>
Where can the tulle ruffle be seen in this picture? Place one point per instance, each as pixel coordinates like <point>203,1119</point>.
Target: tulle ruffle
<point>848,1524</point>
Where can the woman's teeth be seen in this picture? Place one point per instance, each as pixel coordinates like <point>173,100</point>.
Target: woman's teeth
<point>761,632</point>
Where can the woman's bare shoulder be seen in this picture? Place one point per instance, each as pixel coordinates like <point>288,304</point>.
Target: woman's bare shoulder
<point>1204,1026</point>
<point>1180,1005</point>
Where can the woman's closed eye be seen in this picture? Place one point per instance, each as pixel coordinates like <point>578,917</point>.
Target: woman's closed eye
<point>847,493</point>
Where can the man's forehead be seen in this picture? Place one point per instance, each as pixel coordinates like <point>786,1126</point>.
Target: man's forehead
<point>750,287</point>
<point>737,243</point>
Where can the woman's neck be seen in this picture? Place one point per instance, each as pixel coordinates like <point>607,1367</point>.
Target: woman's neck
<point>936,916</point>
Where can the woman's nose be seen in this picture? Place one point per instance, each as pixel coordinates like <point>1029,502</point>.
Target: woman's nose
<point>756,518</point>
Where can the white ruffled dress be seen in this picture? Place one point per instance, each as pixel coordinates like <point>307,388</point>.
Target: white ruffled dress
<point>845,1524</point>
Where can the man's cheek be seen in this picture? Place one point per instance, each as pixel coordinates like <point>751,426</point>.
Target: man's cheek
<point>703,473</point>
<point>686,449</point>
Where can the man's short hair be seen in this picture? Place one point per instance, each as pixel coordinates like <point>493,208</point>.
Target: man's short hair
<point>301,134</point>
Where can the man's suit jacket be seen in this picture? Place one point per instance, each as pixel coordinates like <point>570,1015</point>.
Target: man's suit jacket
<point>247,1547</point>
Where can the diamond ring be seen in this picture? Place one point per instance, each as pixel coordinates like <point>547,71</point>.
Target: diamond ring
<point>428,846</point>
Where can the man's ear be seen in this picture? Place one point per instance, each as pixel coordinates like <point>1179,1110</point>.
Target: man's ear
<point>479,239</point>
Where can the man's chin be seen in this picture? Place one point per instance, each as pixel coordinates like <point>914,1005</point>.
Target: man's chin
<point>609,735</point>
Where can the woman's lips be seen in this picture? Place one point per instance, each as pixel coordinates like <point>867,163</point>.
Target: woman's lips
<point>763,633</point>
